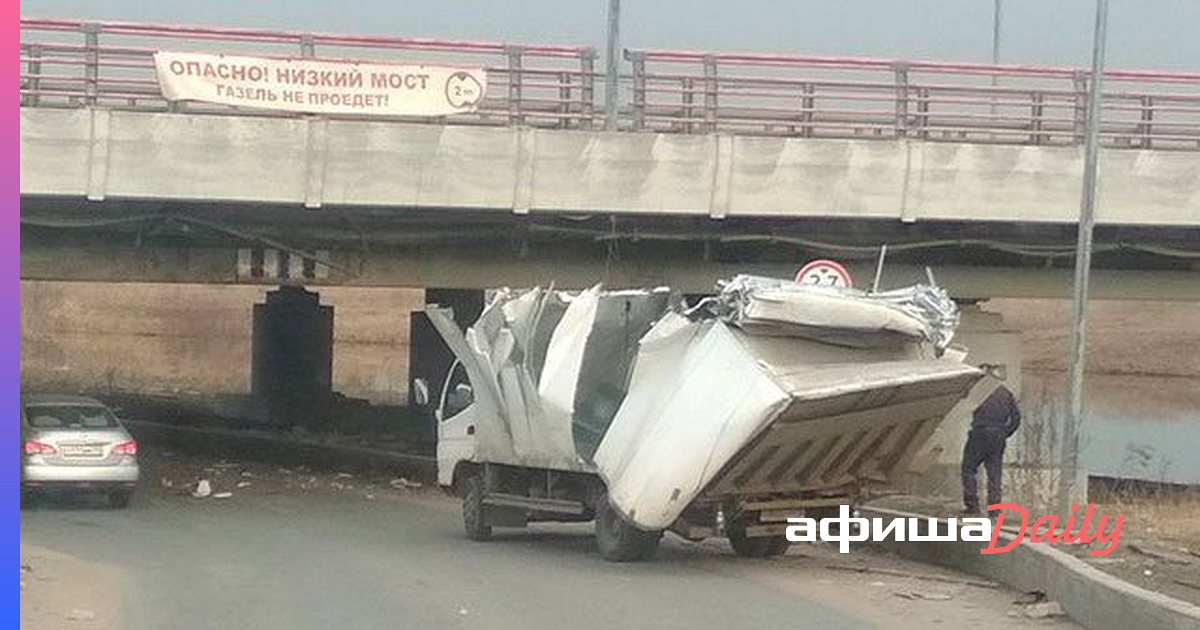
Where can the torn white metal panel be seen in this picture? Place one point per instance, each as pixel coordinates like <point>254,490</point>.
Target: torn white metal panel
<point>847,317</point>
<point>690,415</point>
<point>491,439</point>
<point>622,318</point>
<point>713,411</point>
<point>560,374</point>
<point>659,360</point>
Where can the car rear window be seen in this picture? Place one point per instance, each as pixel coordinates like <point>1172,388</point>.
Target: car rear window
<point>70,416</point>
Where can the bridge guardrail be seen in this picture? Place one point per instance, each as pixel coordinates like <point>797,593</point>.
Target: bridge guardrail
<point>846,97</point>
<point>72,63</point>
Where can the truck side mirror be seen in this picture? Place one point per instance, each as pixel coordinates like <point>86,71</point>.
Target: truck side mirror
<point>420,393</point>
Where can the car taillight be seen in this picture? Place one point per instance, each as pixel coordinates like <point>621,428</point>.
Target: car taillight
<point>125,448</point>
<point>33,447</point>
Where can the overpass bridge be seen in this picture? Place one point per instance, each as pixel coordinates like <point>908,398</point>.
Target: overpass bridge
<point>716,163</point>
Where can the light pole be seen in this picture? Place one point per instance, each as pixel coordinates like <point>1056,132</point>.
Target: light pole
<point>612,64</point>
<point>1083,263</point>
<point>995,35</point>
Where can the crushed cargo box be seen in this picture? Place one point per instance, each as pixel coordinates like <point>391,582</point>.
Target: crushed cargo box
<point>630,408</point>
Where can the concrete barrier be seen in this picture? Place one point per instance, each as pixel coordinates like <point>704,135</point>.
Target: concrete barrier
<point>1090,596</point>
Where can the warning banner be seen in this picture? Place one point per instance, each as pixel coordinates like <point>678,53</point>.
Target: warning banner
<point>328,87</point>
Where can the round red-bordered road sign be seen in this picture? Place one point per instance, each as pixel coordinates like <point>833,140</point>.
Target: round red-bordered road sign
<point>826,273</point>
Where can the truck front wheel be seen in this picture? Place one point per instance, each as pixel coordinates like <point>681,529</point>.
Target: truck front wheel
<point>474,521</point>
<point>619,540</point>
<point>758,546</point>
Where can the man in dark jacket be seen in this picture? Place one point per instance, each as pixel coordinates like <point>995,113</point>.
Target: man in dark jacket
<point>992,423</point>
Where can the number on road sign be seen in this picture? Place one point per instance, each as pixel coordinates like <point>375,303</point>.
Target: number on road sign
<point>826,273</point>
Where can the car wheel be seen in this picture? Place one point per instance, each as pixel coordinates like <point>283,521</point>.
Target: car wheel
<point>28,499</point>
<point>474,521</point>
<point>120,498</point>
<point>618,539</point>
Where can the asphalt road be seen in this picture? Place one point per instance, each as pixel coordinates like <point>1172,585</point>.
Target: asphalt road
<point>315,554</point>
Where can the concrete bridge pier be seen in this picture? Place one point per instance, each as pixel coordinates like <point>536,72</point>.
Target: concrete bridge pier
<point>292,356</point>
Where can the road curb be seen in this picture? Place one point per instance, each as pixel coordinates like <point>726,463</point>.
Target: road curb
<point>1090,596</point>
<point>267,444</point>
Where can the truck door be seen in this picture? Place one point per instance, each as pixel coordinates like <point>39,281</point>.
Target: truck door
<point>467,402</point>
<point>456,416</point>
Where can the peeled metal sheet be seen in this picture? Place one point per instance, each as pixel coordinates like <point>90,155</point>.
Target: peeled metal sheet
<point>846,317</point>
<point>710,412</point>
<point>692,405</point>
<point>554,367</point>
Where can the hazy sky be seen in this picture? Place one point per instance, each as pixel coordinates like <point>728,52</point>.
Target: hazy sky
<point>1142,33</point>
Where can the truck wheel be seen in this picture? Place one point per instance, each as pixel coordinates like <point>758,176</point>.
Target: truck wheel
<point>620,541</point>
<point>758,546</point>
<point>474,523</point>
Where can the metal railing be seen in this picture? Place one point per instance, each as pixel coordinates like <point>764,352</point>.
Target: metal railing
<point>70,63</point>
<point>844,97</point>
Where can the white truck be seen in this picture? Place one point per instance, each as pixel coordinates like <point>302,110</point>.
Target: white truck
<point>769,400</point>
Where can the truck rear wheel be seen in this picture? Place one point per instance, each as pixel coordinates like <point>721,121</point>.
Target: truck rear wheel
<point>619,540</point>
<point>758,546</point>
<point>474,521</point>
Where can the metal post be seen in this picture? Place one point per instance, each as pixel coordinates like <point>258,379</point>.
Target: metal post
<point>34,70</point>
<point>1083,262</point>
<point>91,68</point>
<point>879,268</point>
<point>587,90</point>
<point>515,78</point>
<point>638,61</point>
<point>710,93</point>
<point>901,71</point>
<point>610,70</point>
<point>995,53</point>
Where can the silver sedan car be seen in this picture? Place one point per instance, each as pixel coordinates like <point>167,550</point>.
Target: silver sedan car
<point>75,443</point>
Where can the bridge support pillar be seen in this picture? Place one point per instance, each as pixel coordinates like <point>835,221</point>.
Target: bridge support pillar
<point>292,356</point>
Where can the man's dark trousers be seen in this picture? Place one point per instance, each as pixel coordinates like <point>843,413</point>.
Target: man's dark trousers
<point>985,445</point>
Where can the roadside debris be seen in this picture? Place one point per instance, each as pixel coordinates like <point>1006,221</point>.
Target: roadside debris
<point>1030,597</point>
<point>81,614</point>
<point>935,597</point>
<point>404,484</point>
<point>222,495</point>
<point>919,576</point>
<point>243,484</point>
<point>203,489</point>
<point>1043,610</point>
